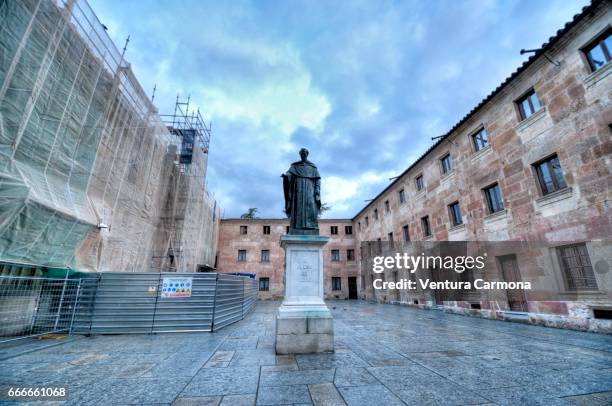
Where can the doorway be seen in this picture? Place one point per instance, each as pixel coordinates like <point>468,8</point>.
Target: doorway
<point>352,285</point>
<point>510,272</point>
<point>397,291</point>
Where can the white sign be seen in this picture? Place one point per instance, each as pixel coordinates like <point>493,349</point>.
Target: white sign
<point>176,288</point>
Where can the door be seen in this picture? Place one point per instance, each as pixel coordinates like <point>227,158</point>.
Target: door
<point>352,281</point>
<point>397,291</point>
<point>510,273</point>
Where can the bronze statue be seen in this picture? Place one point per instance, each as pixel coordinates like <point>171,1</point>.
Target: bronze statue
<point>302,187</point>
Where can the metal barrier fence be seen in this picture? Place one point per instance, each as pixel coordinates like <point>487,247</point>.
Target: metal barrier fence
<point>31,306</point>
<point>116,303</point>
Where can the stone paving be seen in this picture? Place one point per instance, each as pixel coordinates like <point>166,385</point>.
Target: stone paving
<point>384,355</point>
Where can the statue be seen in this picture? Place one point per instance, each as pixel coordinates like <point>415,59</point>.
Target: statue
<point>302,187</point>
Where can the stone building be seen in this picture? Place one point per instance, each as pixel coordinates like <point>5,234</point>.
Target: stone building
<point>530,163</point>
<point>252,246</point>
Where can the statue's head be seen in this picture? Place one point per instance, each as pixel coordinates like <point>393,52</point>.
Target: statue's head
<point>303,154</point>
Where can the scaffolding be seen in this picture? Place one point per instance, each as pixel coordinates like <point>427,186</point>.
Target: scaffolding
<point>188,125</point>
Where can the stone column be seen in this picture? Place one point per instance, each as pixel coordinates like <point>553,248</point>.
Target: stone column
<point>304,324</point>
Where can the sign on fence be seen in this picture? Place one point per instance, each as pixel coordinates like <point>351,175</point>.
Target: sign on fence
<point>173,288</point>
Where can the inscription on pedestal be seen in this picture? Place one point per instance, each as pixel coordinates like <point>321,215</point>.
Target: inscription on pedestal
<point>304,272</point>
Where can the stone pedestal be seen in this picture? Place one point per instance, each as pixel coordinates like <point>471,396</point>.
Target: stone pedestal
<point>304,324</point>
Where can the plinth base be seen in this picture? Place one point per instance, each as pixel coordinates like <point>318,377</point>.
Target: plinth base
<point>304,334</point>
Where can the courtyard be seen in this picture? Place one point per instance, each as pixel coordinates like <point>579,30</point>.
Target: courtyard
<point>384,354</point>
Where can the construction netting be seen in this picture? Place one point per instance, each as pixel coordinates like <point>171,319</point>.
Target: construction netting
<point>90,176</point>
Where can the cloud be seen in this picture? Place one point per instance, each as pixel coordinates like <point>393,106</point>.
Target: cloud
<point>364,85</point>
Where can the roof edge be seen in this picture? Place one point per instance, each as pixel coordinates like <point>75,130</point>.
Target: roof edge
<point>530,61</point>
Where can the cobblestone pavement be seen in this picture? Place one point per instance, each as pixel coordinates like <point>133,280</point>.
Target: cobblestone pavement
<point>385,355</point>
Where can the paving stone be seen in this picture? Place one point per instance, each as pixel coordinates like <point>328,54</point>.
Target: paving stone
<point>270,368</point>
<point>438,392</point>
<point>330,360</point>
<point>222,356</point>
<point>124,391</point>
<point>325,394</point>
<point>354,377</point>
<point>592,399</point>
<point>242,358</point>
<point>368,395</point>
<point>197,401</point>
<point>231,344</point>
<point>285,360</point>
<point>282,395</point>
<point>238,400</point>
<point>523,395</point>
<point>278,378</point>
<point>223,381</point>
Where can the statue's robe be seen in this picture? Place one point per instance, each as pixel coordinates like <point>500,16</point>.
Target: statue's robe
<point>302,187</point>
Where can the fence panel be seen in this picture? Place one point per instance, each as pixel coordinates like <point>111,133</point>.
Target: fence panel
<point>193,313</point>
<point>124,302</point>
<point>31,306</point>
<point>250,295</point>
<point>228,300</point>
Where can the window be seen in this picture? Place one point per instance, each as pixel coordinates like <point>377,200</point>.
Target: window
<point>598,52</point>
<point>455,214</point>
<point>266,229</point>
<point>375,214</point>
<point>379,243</point>
<point>480,140</point>
<point>333,230</point>
<point>359,225</point>
<point>406,232</point>
<point>287,230</point>
<point>348,230</point>
<point>264,284</point>
<point>335,255</point>
<point>402,196</point>
<point>494,199</point>
<point>241,255</point>
<point>550,175</point>
<point>391,245</point>
<point>367,221</point>
<point>447,164</point>
<point>420,183</point>
<point>350,255</point>
<point>336,283</point>
<point>387,207</point>
<point>576,264</point>
<point>390,235</point>
<point>243,230</point>
<point>425,226</point>
<point>265,255</point>
<point>528,104</point>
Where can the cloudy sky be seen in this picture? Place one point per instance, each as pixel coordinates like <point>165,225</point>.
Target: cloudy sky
<point>364,85</point>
